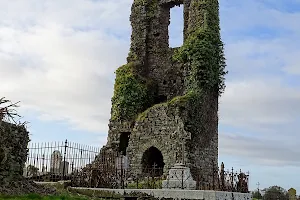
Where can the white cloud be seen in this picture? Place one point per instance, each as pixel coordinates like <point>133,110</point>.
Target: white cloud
<point>260,37</point>
<point>262,96</point>
<point>262,90</point>
<point>259,102</point>
<point>63,73</point>
<point>261,151</point>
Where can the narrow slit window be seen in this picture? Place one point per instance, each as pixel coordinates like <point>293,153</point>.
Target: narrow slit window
<point>176,27</point>
<point>124,139</point>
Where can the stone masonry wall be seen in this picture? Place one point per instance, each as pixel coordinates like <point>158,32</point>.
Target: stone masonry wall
<point>157,129</point>
<point>177,111</point>
<point>167,128</point>
<point>13,151</point>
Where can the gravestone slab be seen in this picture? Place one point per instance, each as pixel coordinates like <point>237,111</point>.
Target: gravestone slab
<point>55,162</point>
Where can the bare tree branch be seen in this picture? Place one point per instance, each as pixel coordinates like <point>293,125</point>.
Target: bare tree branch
<point>8,111</point>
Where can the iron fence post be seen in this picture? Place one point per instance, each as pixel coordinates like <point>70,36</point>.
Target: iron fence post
<point>218,175</point>
<point>43,163</point>
<point>232,179</point>
<point>232,183</point>
<point>182,179</point>
<point>197,182</point>
<point>72,166</point>
<point>64,163</point>
<point>213,176</point>
<point>248,176</point>
<point>153,175</point>
<point>122,180</point>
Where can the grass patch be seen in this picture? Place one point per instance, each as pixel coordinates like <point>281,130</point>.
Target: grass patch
<point>38,197</point>
<point>98,194</point>
<point>65,194</point>
<point>157,184</point>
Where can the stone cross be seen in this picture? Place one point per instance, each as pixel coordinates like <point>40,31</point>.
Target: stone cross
<point>154,165</point>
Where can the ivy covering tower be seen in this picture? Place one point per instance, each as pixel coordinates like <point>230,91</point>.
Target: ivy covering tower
<point>165,103</point>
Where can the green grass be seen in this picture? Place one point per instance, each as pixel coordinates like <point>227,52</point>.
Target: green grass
<point>146,184</point>
<point>38,197</point>
<point>63,194</point>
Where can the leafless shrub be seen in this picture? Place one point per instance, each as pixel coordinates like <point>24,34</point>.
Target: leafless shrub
<point>8,111</point>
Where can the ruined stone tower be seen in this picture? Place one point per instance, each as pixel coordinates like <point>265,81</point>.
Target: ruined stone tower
<point>165,103</point>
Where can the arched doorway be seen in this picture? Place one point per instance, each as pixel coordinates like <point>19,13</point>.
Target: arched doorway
<point>152,162</point>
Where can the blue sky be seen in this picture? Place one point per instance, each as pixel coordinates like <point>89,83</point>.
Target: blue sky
<point>59,59</point>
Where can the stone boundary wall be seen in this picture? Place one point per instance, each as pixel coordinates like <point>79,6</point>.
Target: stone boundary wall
<point>181,194</point>
<point>13,151</point>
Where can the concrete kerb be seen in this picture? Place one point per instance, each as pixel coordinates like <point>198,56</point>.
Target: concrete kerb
<point>178,194</point>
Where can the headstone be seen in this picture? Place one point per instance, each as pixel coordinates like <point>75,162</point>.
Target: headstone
<point>25,171</point>
<point>122,162</point>
<point>292,194</point>
<point>179,177</point>
<point>55,162</point>
<point>64,168</point>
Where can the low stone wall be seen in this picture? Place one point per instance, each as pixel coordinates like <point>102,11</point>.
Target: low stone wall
<point>13,151</point>
<point>180,194</point>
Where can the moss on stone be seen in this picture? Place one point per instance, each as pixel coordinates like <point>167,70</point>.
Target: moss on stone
<point>144,114</point>
<point>177,102</point>
<point>132,93</point>
<point>151,7</point>
<point>132,57</point>
<point>181,100</point>
<point>203,52</point>
<point>140,2</point>
<point>13,151</point>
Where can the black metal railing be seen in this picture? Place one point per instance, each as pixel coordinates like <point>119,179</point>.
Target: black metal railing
<point>111,170</point>
<point>86,166</point>
<point>57,160</point>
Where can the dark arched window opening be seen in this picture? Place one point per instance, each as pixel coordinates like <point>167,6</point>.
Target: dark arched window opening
<point>152,162</point>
